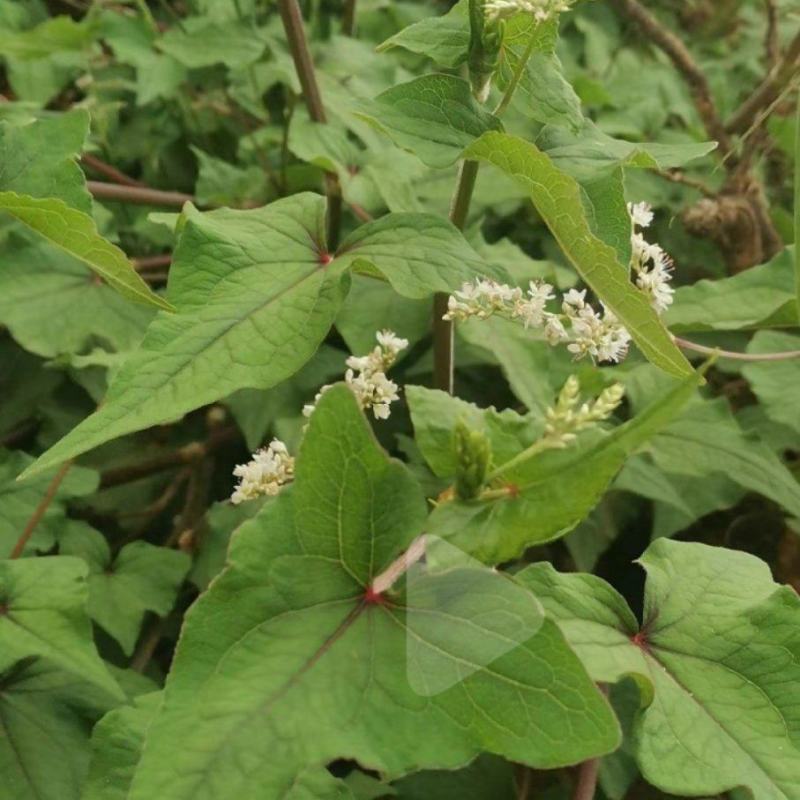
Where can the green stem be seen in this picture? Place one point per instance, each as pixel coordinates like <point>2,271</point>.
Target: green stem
<point>529,452</point>
<point>515,78</point>
<point>443,329</point>
<point>292,19</point>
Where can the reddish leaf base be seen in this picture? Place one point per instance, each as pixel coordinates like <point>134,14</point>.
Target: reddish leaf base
<point>373,598</point>
<point>640,639</point>
<point>325,258</point>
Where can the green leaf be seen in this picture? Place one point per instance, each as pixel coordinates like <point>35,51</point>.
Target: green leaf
<point>435,414</point>
<point>418,254</point>
<point>557,198</point>
<point>543,93</point>
<point>373,306</point>
<point>797,206</point>
<point>760,297</point>
<point>116,747</point>
<point>706,440</point>
<point>720,651</point>
<point>435,117</point>
<point>46,718</point>
<point>43,602</point>
<point>51,36</point>
<point>444,39</point>
<point>201,42</point>
<point>52,304</point>
<point>554,490</point>
<point>18,501</point>
<point>39,158</point>
<point>486,778</point>
<point>76,234</point>
<point>141,578</point>
<point>256,292</point>
<point>314,672</point>
<point>590,152</point>
<point>773,381</point>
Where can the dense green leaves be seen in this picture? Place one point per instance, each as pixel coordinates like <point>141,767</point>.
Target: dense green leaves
<point>716,654</point>
<point>557,198</point>
<point>256,292</point>
<point>291,624</point>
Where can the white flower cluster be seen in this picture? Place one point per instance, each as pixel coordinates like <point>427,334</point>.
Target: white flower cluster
<point>566,418</point>
<point>582,328</point>
<point>541,10</point>
<point>366,376</point>
<point>653,267</point>
<point>270,468</point>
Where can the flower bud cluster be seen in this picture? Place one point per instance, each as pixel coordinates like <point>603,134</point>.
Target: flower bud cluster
<point>270,468</point>
<point>366,376</point>
<point>584,329</point>
<point>566,419</point>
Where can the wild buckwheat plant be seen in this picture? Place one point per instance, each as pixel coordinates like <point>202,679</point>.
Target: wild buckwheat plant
<point>348,387</point>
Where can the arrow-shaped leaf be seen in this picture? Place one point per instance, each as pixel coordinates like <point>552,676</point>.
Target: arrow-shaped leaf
<point>290,661</point>
<point>720,646</point>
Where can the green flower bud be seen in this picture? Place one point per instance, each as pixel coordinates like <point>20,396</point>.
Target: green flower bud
<point>473,452</point>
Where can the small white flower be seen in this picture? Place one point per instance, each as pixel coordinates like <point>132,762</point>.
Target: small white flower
<point>270,468</point>
<point>641,214</point>
<point>531,308</point>
<point>366,376</point>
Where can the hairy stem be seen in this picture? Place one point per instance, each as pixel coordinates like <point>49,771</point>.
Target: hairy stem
<point>40,510</point>
<point>292,20</point>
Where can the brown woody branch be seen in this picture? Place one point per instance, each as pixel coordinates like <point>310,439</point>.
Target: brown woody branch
<point>292,20</point>
<point>770,89</point>
<point>188,454</point>
<point>152,262</point>
<point>684,62</point>
<point>40,510</point>
<point>141,195</point>
<point>772,46</point>
<point>108,171</point>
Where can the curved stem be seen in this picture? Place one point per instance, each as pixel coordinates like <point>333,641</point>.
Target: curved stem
<point>685,344</point>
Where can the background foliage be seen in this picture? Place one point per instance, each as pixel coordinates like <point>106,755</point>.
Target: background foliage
<point>192,246</point>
